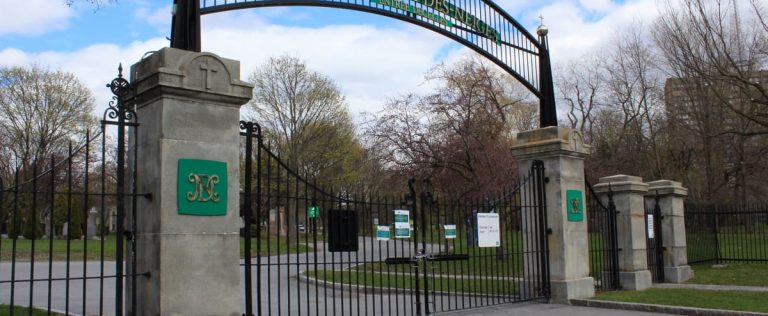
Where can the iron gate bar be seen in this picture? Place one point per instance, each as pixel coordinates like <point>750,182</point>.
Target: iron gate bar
<point>342,274</point>
<point>603,251</point>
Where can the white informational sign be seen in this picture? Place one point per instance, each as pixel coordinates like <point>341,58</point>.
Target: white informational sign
<point>382,233</point>
<point>450,231</point>
<point>488,230</point>
<point>402,224</point>
<point>650,226</point>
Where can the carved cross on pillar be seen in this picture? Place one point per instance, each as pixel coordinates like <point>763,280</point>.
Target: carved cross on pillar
<point>208,70</point>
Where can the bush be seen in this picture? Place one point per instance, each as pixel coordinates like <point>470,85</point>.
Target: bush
<point>32,229</point>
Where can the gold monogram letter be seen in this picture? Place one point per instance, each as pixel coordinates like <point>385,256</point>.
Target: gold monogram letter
<point>205,188</point>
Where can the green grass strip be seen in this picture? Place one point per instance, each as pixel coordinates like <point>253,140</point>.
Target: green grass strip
<point>17,310</point>
<point>729,300</point>
<point>751,274</point>
<point>452,284</point>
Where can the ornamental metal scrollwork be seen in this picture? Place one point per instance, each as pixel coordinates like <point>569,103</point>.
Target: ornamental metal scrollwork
<point>205,185</point>
<point>119,88</point>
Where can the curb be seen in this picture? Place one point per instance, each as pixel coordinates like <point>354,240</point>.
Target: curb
<point>711,287</point>
<point>679,310</point>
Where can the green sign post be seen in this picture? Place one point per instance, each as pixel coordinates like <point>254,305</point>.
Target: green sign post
<point>202,187</point>
<point>450,231</point>
<point>575,201</point>
<point>313,211</point>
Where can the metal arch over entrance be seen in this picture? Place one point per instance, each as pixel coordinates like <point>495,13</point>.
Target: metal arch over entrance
<point>478,24</point>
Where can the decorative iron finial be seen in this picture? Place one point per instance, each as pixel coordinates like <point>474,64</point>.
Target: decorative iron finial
<point>542,30</point>
<point>119,86</point>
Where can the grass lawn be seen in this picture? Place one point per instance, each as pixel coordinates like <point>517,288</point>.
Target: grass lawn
<point>483,262</point>
<point>59,246</point>
<point>436,283</point>
<point>730,300</point>
<point>754,274</point>
<point>6,310</point>
<point>76,249</point>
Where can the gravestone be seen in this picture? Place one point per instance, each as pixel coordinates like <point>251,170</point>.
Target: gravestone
<point>92,223</point>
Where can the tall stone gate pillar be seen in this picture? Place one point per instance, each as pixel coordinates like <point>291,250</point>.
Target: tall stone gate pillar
<point>671,201</point>
<point>628,194</point>
<point>188,107</point>
<point>562,150</point>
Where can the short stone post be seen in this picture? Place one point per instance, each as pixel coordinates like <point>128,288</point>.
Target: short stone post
<point>188,110</point>
<point>671,201</point>
<point>562,151</point>
<point>628,195</point>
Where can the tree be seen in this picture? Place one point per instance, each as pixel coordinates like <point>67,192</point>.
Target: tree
<point>721,43</point>
<point>718,51</point>
<point>40,112</point>
<point>303,113</point>
<point>457,134</point>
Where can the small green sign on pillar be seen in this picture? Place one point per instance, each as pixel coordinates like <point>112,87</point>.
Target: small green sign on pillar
<point>313,211</point>
<point>575,201</point>
<point>202,187</point>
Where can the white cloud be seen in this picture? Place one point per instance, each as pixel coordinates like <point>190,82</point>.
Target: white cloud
<point>369,63</point>
<point>33,17</point>
<point>158,17</point>
<point>572,33</point>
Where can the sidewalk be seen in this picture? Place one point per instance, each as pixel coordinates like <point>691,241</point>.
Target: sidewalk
<point>711,287</point>
<point>540,309</point>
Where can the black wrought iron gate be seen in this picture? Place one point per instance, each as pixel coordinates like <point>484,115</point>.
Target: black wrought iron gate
<point>603,242</point>
<point>66,228</point>
<point>654,240</point>
<point>309,249</point>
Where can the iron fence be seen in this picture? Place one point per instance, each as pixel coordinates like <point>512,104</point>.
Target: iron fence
<point>726,232</point>
<point>65,237</point>
<point>603,242</point>
<point>410,255</point>
<point>654,240</point>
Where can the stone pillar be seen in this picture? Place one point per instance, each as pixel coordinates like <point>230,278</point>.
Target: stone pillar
<point>671,201</point>
<point>628,193</point>
<point>188,110</point>
<point>562,151</point>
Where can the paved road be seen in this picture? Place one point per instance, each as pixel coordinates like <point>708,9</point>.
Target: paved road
<point>280,274</point>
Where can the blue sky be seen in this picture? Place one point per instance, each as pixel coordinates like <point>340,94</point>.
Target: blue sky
<point>372,58</point>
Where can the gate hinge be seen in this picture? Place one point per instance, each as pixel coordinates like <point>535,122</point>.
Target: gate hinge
<point>128,235</point>
<point>549,231</point>
<point>546,179</point>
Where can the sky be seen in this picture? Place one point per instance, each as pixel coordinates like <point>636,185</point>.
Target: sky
<point>371,58</point>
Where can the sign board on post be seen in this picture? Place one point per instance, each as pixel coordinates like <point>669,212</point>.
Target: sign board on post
<point>313,211</point>
<point>575,201</point>
<point>402,224</point>
<point>488,230</point>
<point>202,187</point>
<point>651,232</point>
<point>450,231</point>
<point>382,233</point>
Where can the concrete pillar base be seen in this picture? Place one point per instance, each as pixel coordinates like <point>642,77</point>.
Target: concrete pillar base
<point>678,274</point>
<point>564,291</point>
<point>635,280</point>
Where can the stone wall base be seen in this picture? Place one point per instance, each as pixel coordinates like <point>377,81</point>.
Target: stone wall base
<point>677,274</point>
<point>635,280</point>
<point>564,291</point>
